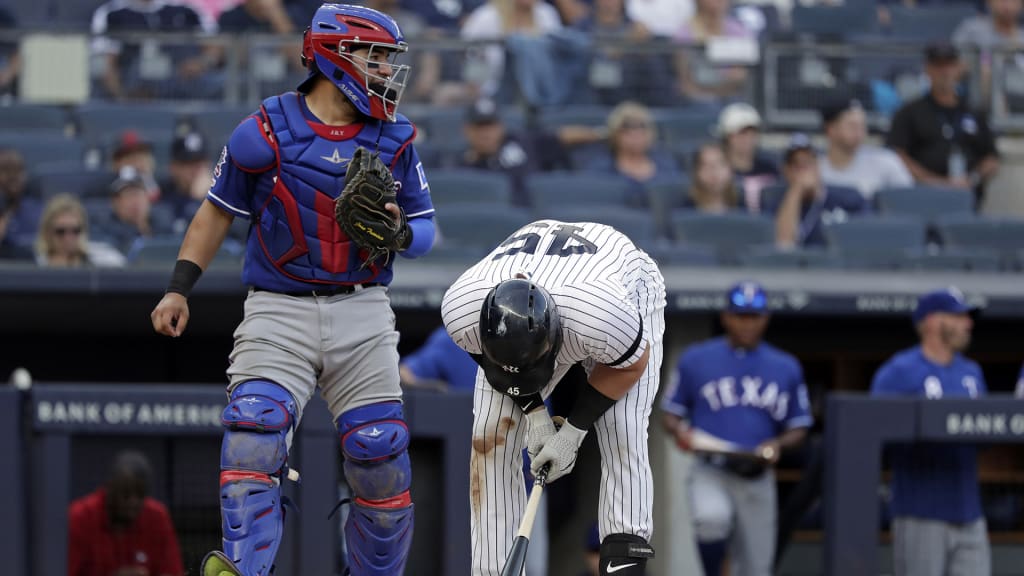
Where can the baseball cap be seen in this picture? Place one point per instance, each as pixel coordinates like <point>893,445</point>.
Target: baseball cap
<point>736,117</point>
<point>797,143</point>
<point>747,298</point>
<point>126,178</point>
<point>188,147</point>
<point>131,141</point>
<point>833,110</point>
<point>950,300</point>
<point>937,52</point>
<point>483,111</point>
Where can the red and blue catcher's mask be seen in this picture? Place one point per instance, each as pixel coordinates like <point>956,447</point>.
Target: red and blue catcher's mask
<point>373,81</point>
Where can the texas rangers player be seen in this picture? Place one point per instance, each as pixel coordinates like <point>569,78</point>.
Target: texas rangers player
<point>315,315</point>
<point>751,394</point>
<point>938,526</point>
<point>552,295</point>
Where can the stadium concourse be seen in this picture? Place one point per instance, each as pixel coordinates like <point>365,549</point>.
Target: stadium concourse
<point>850,157</point>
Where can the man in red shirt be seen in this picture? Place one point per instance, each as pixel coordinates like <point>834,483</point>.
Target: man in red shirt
<point>119,531</point>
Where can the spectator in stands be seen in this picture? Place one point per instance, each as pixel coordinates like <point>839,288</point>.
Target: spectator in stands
<point>664,18</point>
<point>439,363</point>
<point>986,33</point>
<point>940,140</point>
<point>632,154</point>
<point>19,214</point>
<point>10,59</point>
<point>852,163</point>
<point>189,177</point>
<point>492,147</point>
<point>443,14</point>
<point>713,189</point>
<point>135,152</point>
<point>739,390</point>
<point>63,238</point>
<point>739,127</point>
<point>258,17</point>
<point>521,24</point>
<point>119,530</point>
<point>808,205</point>
<point>700,79</point>
<point>132,215</point>
<point>149,70</point>
<point>928,537</point>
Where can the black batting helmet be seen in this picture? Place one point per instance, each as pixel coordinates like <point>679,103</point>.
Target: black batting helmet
<point>520,333</point>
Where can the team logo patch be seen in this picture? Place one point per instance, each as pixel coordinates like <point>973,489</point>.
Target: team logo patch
<point>220,163</point>
<point>510,369</point>
<point>336,158</point>
<point>423,176</point>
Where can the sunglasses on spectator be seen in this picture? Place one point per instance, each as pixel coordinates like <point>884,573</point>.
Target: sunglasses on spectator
<point>64,231</point>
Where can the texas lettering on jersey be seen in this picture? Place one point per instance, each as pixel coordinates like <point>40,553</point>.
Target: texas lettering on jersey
<point>750,391</point>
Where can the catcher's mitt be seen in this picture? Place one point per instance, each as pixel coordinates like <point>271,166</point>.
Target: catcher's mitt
<point>359,210</point>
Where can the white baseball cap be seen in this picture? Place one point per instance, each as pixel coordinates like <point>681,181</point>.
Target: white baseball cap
<point>736,117</point>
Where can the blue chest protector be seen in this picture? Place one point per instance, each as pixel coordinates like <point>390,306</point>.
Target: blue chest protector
<point>295,225</point>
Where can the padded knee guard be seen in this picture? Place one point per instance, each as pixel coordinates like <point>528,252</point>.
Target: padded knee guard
<point>624,555</point>
<point>374,441</point>
<point>258,419</point>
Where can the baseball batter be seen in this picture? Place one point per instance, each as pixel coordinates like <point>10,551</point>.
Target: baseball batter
<point>318,312</point>
<point>751,394</point>
<point>551,295</point>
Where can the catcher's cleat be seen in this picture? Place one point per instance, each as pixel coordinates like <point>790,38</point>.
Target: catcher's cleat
<point>217,564</point>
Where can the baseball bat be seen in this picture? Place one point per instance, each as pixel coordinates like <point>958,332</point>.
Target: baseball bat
<point>516,560</point>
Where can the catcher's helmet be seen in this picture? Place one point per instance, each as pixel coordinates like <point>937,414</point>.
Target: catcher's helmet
<point>337,31</point>
<point>520,333</point>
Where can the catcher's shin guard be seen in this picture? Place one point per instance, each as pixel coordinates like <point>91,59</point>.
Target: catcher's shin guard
<point>374,441</point>
<point>258,420</point>
<point>624,555</point>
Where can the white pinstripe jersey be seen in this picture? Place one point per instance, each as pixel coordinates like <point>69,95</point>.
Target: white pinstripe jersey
<point>602,285</point>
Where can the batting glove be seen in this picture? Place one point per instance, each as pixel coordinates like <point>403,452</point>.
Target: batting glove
<point>560,451</point>
<point>541,429</point>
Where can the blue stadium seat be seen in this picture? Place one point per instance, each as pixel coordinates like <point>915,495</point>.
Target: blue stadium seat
<point>876,242</point>
<point>1003,237</point>
<point>440,127</point>
<point>44,148</point>
<point>771,196</point>
<point>479,226</point>
<point>840,21</point>
<point>72,180</point>
<point>596,116</point>
<point>920,24</point>
<point>772,257</point>
<point>465,186</point>
<point>216,124</point>
<point>683,125</point>
<point>728,233</point>
<point>928,202</point>
<point>953,259</point>
<point>574,189</point>
<point>100,122</point>
<point>53,120</point>
<point>163,250</point>
<point>637,224</point>
<point>685,255</point>
<point>445,253</point>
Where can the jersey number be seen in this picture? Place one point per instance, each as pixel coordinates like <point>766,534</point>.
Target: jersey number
<point>563,235</point>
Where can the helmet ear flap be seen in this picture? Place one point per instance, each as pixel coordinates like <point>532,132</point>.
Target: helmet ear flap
<point>307,48</point>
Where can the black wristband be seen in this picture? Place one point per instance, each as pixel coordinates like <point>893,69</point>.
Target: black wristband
<point>528,402</point>
<point>186,274</point>
<point>589,406</point>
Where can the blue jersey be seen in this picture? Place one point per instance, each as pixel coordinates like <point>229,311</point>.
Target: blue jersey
<point>440,358</point>
<point>282,168</point>
<point>743,396</point>
<point>937,481</point>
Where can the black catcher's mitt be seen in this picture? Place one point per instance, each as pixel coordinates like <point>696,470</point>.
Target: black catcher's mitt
<point>359,210</point>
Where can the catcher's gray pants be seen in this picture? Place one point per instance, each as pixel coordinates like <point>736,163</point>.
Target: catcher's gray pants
<point>346,344</point>
<point>741,510</point>
<point>925,547</point>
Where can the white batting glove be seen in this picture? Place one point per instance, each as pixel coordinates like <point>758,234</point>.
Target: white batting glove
<point>560,452</point>
<point>541,429</point>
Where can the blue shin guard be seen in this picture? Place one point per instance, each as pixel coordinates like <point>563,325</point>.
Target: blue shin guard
<point>258,419</point>
<point>374,441</point>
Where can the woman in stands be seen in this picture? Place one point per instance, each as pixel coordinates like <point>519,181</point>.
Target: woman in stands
<point>63,237</point>
<point>714,189</point>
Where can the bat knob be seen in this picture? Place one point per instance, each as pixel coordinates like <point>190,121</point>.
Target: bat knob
<point>767,453</point>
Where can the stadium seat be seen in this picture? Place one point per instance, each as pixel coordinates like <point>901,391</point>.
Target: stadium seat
<point>216,124</point>
<point>684,255</point>
<point>479,226</point>
<point>441,128</point>
<point>445,253</point>
<point>958,260</point>
<point>101,122</point>
<point>637,224</point>
<point>596,116</point>
<point>72,180</point>
<point>574,189</point>
<point>163,250</point>
<point>1003,237</point>
<point>728,233</point>
<point>465,186</point>
<point>837,21</point>
<point>772,257</point>
<point>44,148</point>
<point>683,125</point>
<point>52,120</point>
<point>876,242</point>
<point>771,196</point>
<point>928,202</point>
<point>922,24</point>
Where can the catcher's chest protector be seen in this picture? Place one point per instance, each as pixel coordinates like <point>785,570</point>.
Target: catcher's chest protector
<point>297,228</point>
